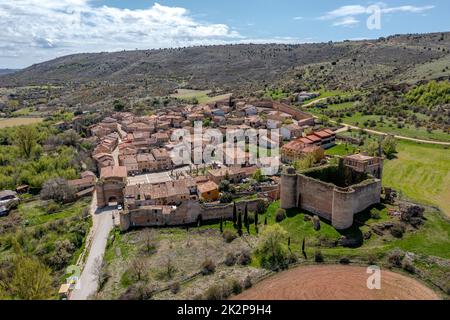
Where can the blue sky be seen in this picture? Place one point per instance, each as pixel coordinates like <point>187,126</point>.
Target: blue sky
<point>38,30</point>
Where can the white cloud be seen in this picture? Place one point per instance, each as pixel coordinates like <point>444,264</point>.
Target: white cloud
<point>345,15</point>
<point>38,30</point>
<point>345,11</point>
<point>346,21</point>
<point>410,9</point>
<point>298,18</point>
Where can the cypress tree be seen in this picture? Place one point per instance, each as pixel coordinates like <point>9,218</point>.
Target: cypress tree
<point>256,219</point>
<point>239,224</point>
<point>265,221</point>
<point>234,213</point>
<point>221,225</point>
<point>246,216</point>
<point>303,249</point>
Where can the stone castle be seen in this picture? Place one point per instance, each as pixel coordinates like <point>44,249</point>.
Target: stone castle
<point>334,192</point>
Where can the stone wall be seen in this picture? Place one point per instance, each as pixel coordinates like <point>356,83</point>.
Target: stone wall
<point>315,196</point>
<point>111,188</point>
<point>335,204</point>
<point>189,212</point>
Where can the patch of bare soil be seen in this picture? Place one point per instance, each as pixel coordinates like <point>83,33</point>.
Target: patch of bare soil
<point>336,283</point>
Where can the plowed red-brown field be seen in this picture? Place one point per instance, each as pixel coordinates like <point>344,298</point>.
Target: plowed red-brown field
<point>336,283</point>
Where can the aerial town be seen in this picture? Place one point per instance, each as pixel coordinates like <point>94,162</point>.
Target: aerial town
<point>237,150</point>
<point>132,152</point>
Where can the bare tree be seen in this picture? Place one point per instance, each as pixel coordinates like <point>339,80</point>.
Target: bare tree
<point>150,243</point>
<point>138,268</point>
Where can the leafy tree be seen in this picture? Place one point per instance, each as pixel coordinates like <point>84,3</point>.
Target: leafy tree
<point>118,105</point>
<point>305,163</point>
<point>26,139</point>
<point>372,148</point>
<point>389,146</point>
<point>258,176</point>
<point>31,279</point>
<point>272,247</point>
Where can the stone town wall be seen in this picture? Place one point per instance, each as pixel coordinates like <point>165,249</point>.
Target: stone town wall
<point>107,190</point>
<point>187,213</point>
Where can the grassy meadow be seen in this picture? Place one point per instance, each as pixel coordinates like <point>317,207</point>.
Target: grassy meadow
<point>201,95</point>
<point>14,122</point>
<point>422,173</point>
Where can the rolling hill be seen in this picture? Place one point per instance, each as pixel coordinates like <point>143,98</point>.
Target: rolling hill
<point>348,64</point>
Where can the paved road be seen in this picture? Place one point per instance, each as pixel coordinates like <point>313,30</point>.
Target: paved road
<point>101,227</point>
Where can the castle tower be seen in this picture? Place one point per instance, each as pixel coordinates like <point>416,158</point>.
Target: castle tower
<point>288,189</point>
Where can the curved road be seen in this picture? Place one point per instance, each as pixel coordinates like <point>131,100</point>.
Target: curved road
<point>347,126</point>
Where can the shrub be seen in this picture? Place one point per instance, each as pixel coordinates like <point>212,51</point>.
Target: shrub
<point>174,287</point>
<point>230,259</point>
<point>229,236</point>
<point>208,267</point>
<point>408,265</point>
<point>375,214</point>
<point>316,223</point>
<point>344,260</point>
<point>236,286</point>
<point>226,198</point>
<point>217,292</point>
<point>318,257</point>
<point>397,230</point>
<point>62,255</point>
<point>137,292</point>
<point>395,258</point>
<point>247,283</point>
<point>372,259</point>
<point>280,215</point>
<point>244,258</point>
<point>52,207</point>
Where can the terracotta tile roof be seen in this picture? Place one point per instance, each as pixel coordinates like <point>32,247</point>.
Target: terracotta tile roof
<point>113,172</point>
<point>313,138</point>
<point>207,187</point>
<point>323,134</point>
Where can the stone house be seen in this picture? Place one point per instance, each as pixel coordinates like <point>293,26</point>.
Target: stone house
<point>208,191</point>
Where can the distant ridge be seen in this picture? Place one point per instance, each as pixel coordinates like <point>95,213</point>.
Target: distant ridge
<point>8,71</point>
<point>350,63</point>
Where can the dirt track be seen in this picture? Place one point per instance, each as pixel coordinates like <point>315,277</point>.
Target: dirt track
<point>336,283</point>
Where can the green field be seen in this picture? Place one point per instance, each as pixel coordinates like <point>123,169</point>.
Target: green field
<point>342,149</point>
<point>421,172</point>
<point>201,95</point>
<point>14,122</point>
